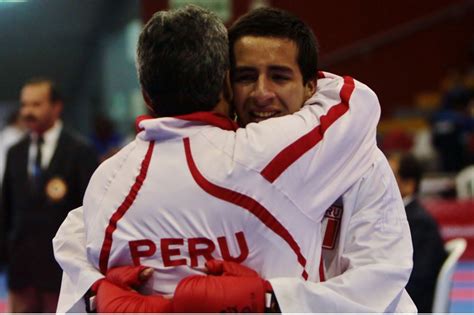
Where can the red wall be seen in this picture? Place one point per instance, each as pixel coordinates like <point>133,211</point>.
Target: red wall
<point>455,219</point>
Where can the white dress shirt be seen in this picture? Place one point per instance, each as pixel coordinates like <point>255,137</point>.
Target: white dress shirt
<point>50,138</point>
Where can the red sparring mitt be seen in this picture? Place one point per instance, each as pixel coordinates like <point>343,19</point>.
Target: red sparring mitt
<point>115,294</point>
<point>229,287</point>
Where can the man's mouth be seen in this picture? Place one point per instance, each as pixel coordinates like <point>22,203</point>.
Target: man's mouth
<point>29,118</point>
<point>264,115</point>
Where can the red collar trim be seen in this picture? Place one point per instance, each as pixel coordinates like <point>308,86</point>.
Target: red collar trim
<point>214,119</point>
<point>139,119</point>
<point>210,118</point>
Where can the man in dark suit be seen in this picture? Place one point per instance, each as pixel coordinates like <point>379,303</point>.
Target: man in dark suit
<point>45,176</point>
<point>428,247</point>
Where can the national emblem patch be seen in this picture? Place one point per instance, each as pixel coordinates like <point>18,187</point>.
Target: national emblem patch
<point>331,225</point>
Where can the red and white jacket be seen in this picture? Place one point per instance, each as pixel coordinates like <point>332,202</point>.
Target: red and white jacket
<point>194,187</point>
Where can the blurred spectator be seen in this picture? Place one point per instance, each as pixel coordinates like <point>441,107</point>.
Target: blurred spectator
<point>428,248</point>
<point>46,175</point>
<point>397,140</point>
<point>450,127</point>
<point>424,151</point>
<point>105,138</point>
<point>10,135</point>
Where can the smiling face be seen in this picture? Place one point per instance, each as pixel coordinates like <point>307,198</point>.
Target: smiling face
<point>266,80</point>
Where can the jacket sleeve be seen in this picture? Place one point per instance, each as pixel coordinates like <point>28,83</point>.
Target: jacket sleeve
<point>70,252</point>
<point>327,145</point>
<point>377,257</point>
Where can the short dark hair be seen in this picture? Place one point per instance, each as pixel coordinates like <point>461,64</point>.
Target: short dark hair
<point>410,168</point>
<point>271,22</point>
<point>54,93</point>
<point>182,60</point>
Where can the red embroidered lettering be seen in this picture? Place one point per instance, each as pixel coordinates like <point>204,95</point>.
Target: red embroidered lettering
<point>141,248</point>
<point>194,251</point>
<point>244,249</point>
<point>167,252</point>
<point>334,212</point>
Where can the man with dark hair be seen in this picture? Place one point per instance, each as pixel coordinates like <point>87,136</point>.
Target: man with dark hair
<point>270,46</point>
<point>46,175</point>
<point>428,247</point>
<point>273,62</point>
<point>173,93</point>
<point>253,196</point>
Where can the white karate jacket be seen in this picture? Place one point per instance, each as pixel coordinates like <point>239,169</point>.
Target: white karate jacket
<point>255,196</point>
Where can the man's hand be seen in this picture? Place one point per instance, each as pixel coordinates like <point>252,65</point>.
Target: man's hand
<point>229,287</point>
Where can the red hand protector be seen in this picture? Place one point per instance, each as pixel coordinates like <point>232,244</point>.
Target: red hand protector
<point>112,298</point>
<point>235,289</point>
<point>229,268</point>
<point>127,276</point>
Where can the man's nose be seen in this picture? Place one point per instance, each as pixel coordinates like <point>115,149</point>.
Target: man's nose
<point>24,110</point>
<point>263,93</point>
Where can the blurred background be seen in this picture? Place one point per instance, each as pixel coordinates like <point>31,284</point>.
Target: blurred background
<point>418,56</point>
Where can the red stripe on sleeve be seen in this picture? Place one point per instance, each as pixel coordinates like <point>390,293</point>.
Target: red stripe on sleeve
<point>245,202</point>
<point>122,209</point>
<point>294,151</point>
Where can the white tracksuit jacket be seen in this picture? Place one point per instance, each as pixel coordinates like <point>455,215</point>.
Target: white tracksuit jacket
<point>187,190</point>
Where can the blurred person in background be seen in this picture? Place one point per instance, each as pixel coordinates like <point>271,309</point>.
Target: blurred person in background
<point>451,128</point>
<point>106,140</point>
<point>46,175</point>
<point>428,247</point>
<point>10,135</point>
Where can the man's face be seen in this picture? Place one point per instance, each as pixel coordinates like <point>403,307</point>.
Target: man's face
<point>267,81</point>
<point>37,110</point>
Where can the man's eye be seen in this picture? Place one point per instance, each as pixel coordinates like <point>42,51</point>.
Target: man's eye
<point>280,77</point>
<point>244,77</point>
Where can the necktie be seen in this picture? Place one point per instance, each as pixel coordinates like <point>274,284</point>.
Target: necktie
<point>37,169</point>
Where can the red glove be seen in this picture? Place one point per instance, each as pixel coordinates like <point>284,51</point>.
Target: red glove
<point>112,298</point>
<point>115,294</point>
<point>230,287</point>
<point>129,276</point>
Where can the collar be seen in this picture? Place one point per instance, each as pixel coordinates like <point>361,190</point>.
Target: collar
<point>213,119</point>
<point>408,199</point>
<point>150,128</point>
<point>51,135</point>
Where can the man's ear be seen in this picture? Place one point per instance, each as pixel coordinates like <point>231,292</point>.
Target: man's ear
<point>310,88</point>
<point>148,102</point>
